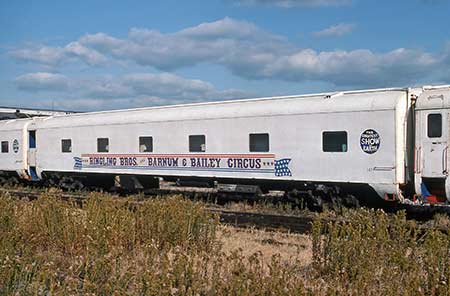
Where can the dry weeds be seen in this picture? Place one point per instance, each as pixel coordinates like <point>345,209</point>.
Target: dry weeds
<point>292,248</point>
<point>174,247</point>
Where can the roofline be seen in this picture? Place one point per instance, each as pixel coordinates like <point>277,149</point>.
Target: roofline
<point>37,109</point>
<point>238,101</point>
<point>331,93</point>
<point>429,87</point>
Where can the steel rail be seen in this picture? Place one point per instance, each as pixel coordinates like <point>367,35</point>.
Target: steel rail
<point>267,221</point>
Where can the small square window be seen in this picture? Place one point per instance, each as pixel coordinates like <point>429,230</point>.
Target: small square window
<point>145,144</point>
<point>259,142</point>
<point>102,145</point>
<point>334,141</point>
<point>32,139</point>
<point>66,145</point>
<point>197,143</point>
<point>434,125</point>
<point>5,147</point>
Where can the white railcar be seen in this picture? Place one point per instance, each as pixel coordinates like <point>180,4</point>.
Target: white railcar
<point>14,147</point>
<point>349,139</point>
<point>432,122</point>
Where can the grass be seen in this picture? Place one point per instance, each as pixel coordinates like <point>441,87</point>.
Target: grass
<point>173,246</point>
<point>376,254</point>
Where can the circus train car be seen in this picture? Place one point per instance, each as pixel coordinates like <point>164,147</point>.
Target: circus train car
<point>16,157</point>
<point>387,144</point>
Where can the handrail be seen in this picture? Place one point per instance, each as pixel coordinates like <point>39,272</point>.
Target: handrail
<point>445,161</point>
<point>418,156</point>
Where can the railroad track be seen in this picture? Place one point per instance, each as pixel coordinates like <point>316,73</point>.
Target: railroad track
<point>288,223</point>
<point>297,224</point>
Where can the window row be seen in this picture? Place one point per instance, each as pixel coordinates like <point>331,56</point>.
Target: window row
<point>332,141</point>
<point>197,143</point>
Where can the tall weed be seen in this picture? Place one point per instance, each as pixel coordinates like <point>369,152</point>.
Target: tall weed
<point>372,253</point>
<point>168,246</point>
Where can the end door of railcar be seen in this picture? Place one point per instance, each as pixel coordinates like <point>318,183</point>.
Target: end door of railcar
<point>432,115</point>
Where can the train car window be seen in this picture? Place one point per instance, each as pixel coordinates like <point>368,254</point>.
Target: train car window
<point>5,147</point>
<point>334,141</point>
<point>197,143</point>
<point>32,139</point>
<point>66,145</point>
<point>259,142</point>
<point>102,145</point>
<point>434,125</point>
<point>145,144</point>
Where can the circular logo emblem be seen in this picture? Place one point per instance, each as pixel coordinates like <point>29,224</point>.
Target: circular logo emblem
<point>15,146</point>
<point>370,141</point>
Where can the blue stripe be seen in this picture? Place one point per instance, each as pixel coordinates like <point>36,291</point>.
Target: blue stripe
<point>181,168</point>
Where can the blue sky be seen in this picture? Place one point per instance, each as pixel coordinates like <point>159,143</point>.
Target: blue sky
<point>98,55</point>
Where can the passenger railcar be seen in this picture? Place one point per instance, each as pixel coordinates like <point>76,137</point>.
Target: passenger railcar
<point>392,143</point>
<point>14,149</point>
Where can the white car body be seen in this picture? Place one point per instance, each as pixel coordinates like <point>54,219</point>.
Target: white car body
<point>378,152</point>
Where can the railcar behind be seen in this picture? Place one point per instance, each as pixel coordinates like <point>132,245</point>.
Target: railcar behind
<point>14,148</point>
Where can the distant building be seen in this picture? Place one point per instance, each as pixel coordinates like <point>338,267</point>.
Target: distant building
<point>13,112</point>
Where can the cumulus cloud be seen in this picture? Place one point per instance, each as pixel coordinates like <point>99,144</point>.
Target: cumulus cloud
<point>252,53</point>
<point>207,42</point>
<point>88,55</point>
<point>336,30</point>
<point>57,56</point>
<point>131,90</point>
<point>156,85</point>
<point>170,87</point>
<point>42,81</point>
<point>358,67</point>
<point>42,55</point>
<point>293,3</point>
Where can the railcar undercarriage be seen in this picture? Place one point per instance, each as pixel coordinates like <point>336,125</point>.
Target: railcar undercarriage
<point>302,195</point>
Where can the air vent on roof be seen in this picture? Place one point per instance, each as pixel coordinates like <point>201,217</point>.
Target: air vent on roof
<point>333,95</point>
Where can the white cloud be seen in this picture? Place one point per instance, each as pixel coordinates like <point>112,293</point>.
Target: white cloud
<point>207,42</point>
<point>357,67</point>
<point>168,85</point>
<point>293,3</point>
<point>58,56</point>
<point>131,90</point>
<point>88,55</point>
<point>336,30</point>
<point>249,52</point>
<point>42,81</point>
<point>46,55</point>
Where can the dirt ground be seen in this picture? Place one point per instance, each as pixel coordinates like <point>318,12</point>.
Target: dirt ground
<point>291,247</point>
